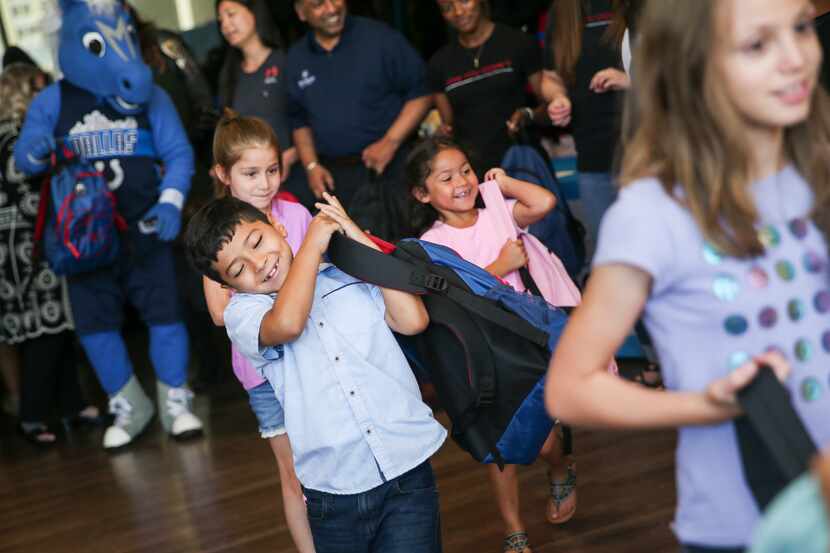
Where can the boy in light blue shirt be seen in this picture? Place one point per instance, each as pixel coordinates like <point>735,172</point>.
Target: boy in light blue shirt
<point>360,432</point>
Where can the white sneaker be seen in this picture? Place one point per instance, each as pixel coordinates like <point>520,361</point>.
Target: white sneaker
<point>176,414</point>
<point>132,410</point>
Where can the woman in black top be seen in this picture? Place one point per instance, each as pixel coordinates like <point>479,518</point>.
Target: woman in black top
<point>479,80</point>
<point>584,90</point>
<point>251,81</point>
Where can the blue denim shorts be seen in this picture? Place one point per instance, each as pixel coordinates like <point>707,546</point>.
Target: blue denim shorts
<point>267,409</point>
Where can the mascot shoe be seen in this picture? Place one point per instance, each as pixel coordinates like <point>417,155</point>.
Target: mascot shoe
<point>132,410</point>
<point>177,418</point>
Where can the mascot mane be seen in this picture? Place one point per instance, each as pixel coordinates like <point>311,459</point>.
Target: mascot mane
<point>99,52</point>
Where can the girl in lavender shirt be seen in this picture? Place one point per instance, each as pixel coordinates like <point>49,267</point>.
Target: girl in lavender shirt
<point>247,157</point>
<point>719,238</point>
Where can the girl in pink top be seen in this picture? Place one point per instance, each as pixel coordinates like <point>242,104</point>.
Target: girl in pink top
<point>247,157</point>
<point>449,207</point>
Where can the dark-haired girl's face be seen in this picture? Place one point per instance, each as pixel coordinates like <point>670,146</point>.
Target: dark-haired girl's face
<point>451,185</point>
<point>463,15</point>
<point>236,22</point>
<point>769,60</point>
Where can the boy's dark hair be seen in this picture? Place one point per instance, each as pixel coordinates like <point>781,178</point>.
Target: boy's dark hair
<point>212,227</point>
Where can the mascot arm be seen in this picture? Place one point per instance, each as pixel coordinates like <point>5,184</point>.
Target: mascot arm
<point>37,137</point>
<point>173,148</point>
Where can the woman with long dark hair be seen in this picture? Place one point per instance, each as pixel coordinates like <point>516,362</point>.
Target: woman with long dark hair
<point>583,88</point>
<point>251,80</point>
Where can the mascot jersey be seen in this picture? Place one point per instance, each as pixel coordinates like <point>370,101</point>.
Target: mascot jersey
<point>125,146</point>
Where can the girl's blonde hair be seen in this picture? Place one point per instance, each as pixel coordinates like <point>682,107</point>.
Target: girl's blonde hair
<point>18,87</point>
<point>236,133</point>
<point>680,127</point>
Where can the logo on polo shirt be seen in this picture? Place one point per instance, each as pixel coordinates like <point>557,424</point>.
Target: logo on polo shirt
<point>271,74</point>
<point>306,79</point>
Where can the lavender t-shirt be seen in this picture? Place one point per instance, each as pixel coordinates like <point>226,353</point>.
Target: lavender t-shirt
<point>709,313</point>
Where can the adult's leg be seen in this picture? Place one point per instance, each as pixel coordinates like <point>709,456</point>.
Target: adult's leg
<point>10,372</point>
<point>70,397</point>
<point>410,519</point>
<point>597,192</point>
<point>37,387</point>
<point>506,487</point>
<point>293,501</point>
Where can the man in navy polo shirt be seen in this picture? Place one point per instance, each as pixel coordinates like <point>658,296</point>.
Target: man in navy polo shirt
<point>356,90</point>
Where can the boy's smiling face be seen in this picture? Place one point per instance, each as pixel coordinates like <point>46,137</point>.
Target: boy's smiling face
<point>257,258</point>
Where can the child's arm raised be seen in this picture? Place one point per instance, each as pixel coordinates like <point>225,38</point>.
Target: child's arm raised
<point>579,389</point>
<point>405,313</point>
<point>533,201</point>
<point>286,320</point>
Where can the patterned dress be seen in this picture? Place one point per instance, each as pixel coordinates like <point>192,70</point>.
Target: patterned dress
<point>33,300</point>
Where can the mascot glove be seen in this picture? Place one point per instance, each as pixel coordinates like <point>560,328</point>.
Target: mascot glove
<point>168,220</point>
<point>41,149</point>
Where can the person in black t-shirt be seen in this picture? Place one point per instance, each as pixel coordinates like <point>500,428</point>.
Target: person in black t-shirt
<point>479,80</point>
<point>584,89</point>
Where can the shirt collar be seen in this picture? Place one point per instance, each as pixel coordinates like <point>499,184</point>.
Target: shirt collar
<point>315,47</point>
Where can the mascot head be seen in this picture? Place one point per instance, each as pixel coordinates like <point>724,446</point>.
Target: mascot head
<point>99,52</point>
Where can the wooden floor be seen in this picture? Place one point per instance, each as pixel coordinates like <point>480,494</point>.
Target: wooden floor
<point>221,493</point>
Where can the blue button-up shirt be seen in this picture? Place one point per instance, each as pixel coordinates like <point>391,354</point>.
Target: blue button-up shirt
<point>353,410</point>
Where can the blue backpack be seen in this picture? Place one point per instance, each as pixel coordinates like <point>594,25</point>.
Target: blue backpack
<point>486,349</point>
<point>78,223</point>
<point>559,230</point>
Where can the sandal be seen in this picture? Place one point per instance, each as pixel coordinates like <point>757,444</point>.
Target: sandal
<point>37,433</point>
<point>516,542</point>
<point>560,492</point>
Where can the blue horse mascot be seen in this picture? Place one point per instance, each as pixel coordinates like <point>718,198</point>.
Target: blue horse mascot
<point>107,109</point>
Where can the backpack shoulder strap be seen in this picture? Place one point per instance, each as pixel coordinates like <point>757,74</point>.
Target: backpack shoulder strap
<point>389,271</point>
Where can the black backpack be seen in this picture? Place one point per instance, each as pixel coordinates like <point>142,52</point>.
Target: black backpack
<point>486,349</point>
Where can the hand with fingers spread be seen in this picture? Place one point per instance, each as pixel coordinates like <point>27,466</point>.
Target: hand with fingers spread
<point>320,230</point>
<point>319,180</point>
<point>334,209</point>
<point>609,79</point>
<point>723,392</point>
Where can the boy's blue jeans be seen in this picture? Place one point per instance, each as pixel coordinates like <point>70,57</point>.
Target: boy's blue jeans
<point>399,516</point>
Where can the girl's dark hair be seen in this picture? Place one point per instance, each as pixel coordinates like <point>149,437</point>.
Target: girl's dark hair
<point>422,216</point>
<point>269,34</point>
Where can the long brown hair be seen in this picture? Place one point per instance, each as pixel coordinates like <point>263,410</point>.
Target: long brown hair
<point>569,21</point>
<point>679,127</point>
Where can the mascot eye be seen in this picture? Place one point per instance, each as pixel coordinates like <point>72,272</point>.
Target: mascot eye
<point>94,42</point>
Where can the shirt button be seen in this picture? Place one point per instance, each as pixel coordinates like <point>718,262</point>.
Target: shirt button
<point>369,431</point>
<point>337,358</point>
<point>321,324</point>
<point>351,393</point>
